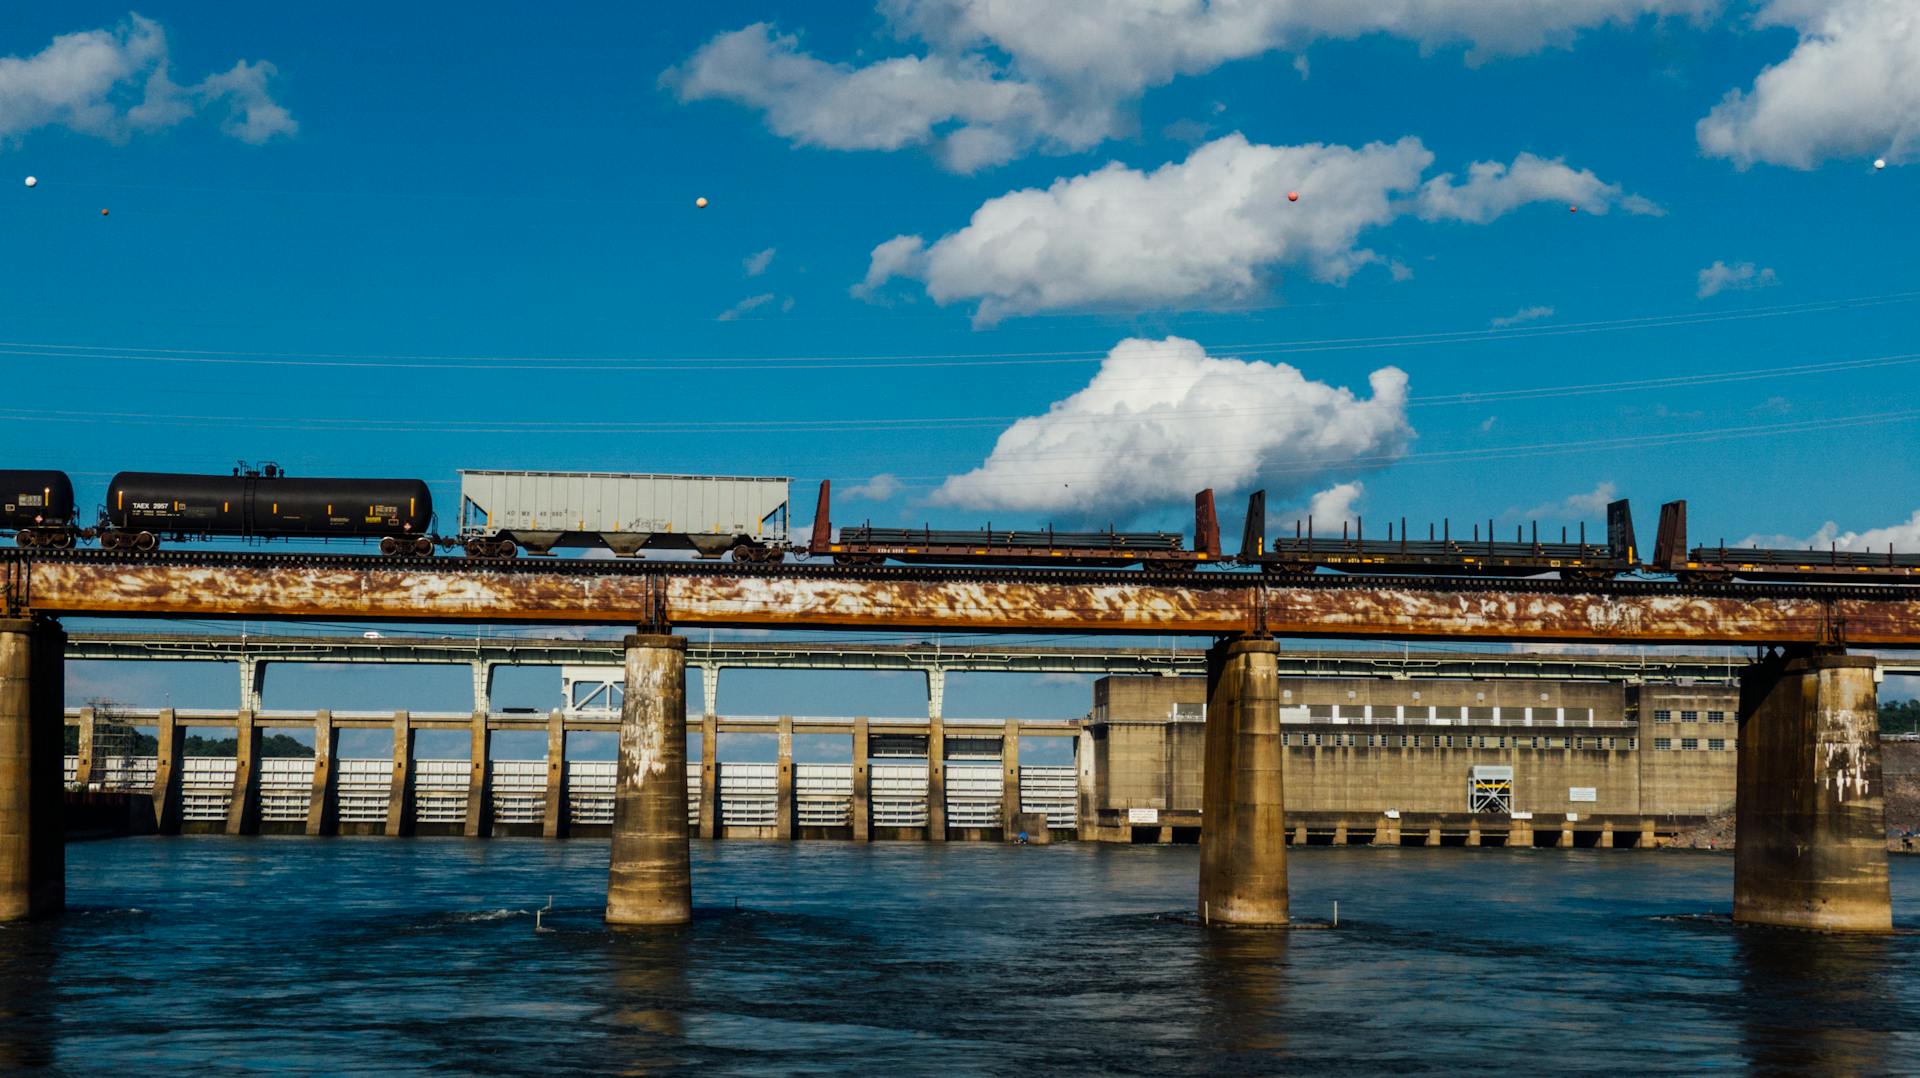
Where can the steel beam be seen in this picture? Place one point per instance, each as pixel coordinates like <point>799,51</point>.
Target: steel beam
<point>1108,603</point>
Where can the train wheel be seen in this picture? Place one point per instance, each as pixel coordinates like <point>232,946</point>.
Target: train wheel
<point>389,545</point>
<point>25,537</point>
<point>62,541</point>
<point>478,548</point>
<point>422,547</point>
<point>146,542</point>
<point>505,549</point>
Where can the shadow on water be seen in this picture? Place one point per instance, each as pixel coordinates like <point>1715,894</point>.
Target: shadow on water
<point>27,1004</point>
<point>1242,976</point>
<point>1816,1004</point>
<point>647,973</point>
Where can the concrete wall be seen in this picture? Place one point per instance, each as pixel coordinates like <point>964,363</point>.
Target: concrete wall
<point>1358,749</point>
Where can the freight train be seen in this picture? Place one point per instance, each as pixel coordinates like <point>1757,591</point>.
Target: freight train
<point>745,517</point>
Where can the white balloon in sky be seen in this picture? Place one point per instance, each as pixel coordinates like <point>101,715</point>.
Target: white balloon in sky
<point>1879,162</point>
<point>33,181</point>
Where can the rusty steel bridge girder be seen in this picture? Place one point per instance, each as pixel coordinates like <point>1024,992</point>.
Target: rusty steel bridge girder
<point>688,595</point>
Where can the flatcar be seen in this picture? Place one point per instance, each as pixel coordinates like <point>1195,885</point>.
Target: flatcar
<point>628,513</point>
<point>1443,554</point>
<point>36,506</point>
<point>143,508</point>
<point>865,544</point>
<point>1719,563</point>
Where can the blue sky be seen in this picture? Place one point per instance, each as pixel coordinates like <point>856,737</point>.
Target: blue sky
<point>440,237</point>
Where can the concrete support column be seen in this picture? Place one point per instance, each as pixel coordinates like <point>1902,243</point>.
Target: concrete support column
<point>1473,833</point>
<point>783,782</point>
<point>1606,837</point>
<point>1565,841</point>
<point>862,808</point>
<point>479,822</point>
<point>936,693</point>
<point>482,687</point>
<point>1243,849</point>
<point>400,787</point>
<point>1086,827</point>
<point>83,776</point>
<point>1520,833</point>
<point>649,880</point>
<point>1433,836</point>
<point>710,776</point>
<point>710,691</point>
<point>1010,780</point>
<point>243,808</point>
<point>33,864</point>
<point>936,774</point>
<point>323,806</point>
<point>555,817</point>
<point>1299,833</point>
<point>168,765</point>
<point>1810,821</point>
<point>1340,833</point>
<point>253,683</point>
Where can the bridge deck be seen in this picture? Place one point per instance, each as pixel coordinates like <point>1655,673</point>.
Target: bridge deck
<point>213,585</point>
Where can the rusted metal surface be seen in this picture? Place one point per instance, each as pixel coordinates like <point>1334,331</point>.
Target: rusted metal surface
<point>1130,603</point>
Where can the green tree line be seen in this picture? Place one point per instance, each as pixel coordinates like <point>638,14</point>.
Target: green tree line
<point>1900,716</point>
<point>145,744</point>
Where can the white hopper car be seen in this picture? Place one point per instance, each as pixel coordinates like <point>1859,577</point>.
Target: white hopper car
<point>503,512</point>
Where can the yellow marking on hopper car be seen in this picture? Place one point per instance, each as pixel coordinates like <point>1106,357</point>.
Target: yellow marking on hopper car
<point>227,507</point>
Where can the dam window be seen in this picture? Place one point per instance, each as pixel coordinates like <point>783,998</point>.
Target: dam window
<point>1662,744</point>
<point>1717,744</point>
<point>1633,743</point>
<point>1716,716</point>
<point>1689,743</point>
<point>1319,711</point>
<point>1689,716</point>
<point>1417,712</point>
<point>1661,714</point>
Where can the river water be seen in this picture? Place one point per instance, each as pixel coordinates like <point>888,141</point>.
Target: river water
<point>296,955</point>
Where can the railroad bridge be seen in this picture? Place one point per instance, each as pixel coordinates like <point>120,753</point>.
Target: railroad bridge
<point>1810,802</point>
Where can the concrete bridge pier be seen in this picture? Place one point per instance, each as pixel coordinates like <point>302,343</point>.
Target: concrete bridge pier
<point>1810,821</point>
<point>1243,843</point>
<point>649,881</point>
<point>33,861</point>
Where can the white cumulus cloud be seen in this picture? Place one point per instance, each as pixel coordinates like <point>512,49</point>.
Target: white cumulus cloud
<point>1739,277</point>
<point>1163,419</point>
<point>1493,189</point>
<point>1337,503</point>
<point>876,489</point>
<point>112,83</point>
<point>995,79</point>
<point>1848,88</point>
<point>1207,230</point>
<point>1904,537</point>
<point>1524,314</point>
<point>1588,505</point>
<point>756,264</point>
